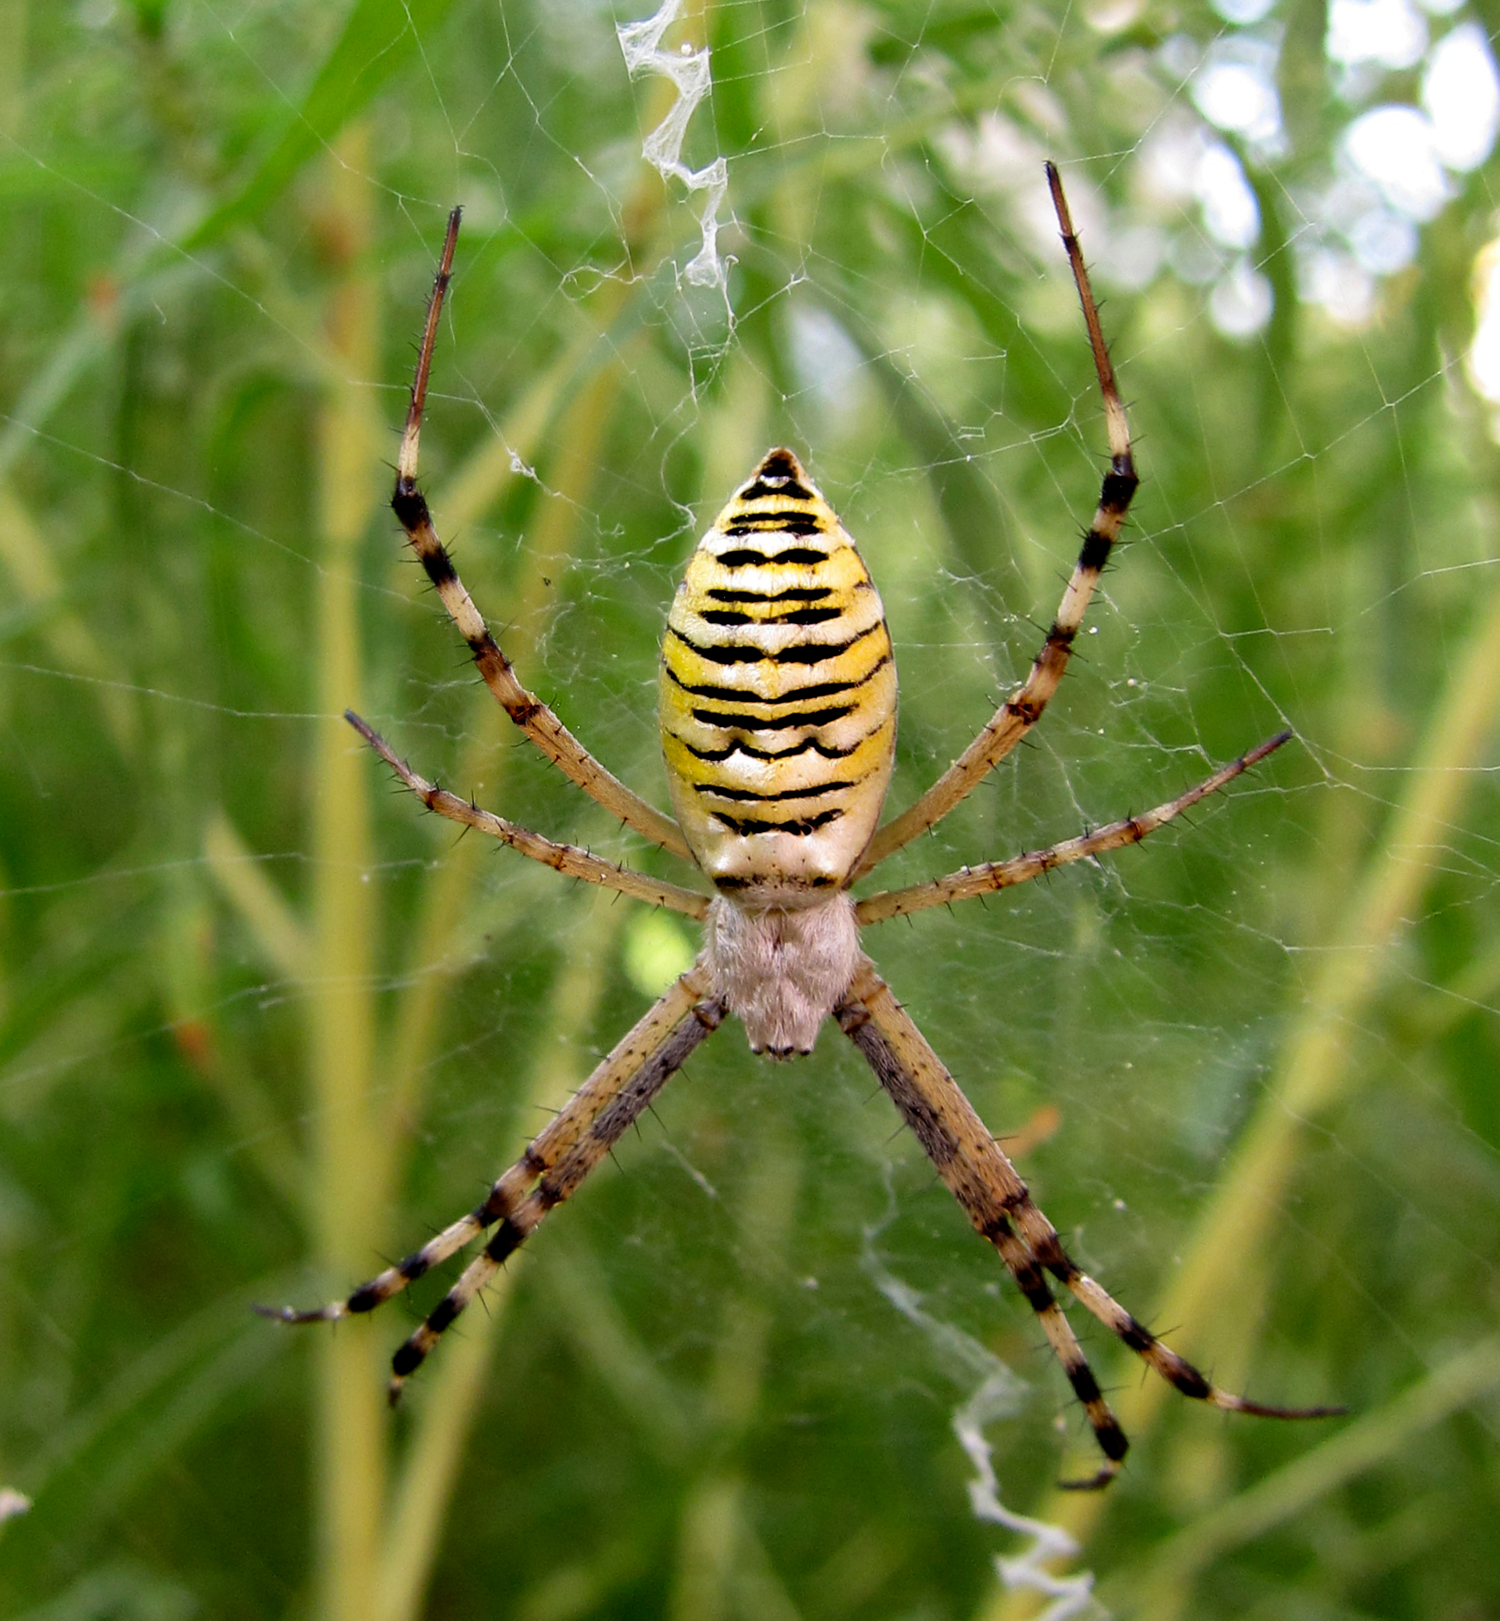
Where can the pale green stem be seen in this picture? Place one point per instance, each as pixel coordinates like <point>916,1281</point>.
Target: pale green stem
<point>578,1293</point>
<point>485,476</point>
<point>351,1419</point>
<point>721,1565</point>
<point>758,1589</point>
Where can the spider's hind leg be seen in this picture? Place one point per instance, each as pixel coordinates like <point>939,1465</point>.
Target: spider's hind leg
<point>978,1175</point>
<point>554,1163</point>
<point>640,1069</point>
<point>997,1201</point>
<point>1043,1242</point>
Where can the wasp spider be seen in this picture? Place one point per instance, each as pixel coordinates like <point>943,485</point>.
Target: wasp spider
<point>778,724</point>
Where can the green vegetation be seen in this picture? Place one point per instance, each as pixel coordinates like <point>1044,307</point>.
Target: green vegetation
<point>262,1023</point>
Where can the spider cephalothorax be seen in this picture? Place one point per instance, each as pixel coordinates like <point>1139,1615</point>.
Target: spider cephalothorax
<point>778,712</point>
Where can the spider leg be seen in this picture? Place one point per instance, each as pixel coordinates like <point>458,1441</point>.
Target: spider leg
<point>1021,711</point>
<point>533,717</point>
<point>647,1073</point>
<point>641,1063</point>
<point>977,1173</point>
<point>993,875</point>
<point>567,859</point>
<point>982,1178</point>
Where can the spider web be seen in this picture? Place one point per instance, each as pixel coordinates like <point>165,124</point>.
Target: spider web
<point>767,1366</point>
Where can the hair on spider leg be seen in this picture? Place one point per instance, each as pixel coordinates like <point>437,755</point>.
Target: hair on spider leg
<point>480,1294</point>
<point>870,1097</point>
<point>900,1131</point>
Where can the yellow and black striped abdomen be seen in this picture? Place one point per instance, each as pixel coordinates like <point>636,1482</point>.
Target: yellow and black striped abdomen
<point>778,694</point>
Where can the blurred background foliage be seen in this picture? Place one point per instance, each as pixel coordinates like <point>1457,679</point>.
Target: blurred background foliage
<point>263,1024</point>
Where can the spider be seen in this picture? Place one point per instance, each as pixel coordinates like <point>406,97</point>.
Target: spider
<point>778,725</point>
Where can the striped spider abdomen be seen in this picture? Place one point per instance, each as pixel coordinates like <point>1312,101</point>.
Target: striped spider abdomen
<point>778,695</point>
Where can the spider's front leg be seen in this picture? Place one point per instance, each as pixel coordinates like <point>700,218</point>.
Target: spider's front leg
<point>550,1171</point>
<point>528,712</point>
<point>1023,709</point>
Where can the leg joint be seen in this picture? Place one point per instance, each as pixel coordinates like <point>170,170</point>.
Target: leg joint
<point>1187,1381</point>
<point>1033,1285</point>
<point>1049,1251</point>
<point>414,1265</point>
<point>709,1014</point>
<point>443,1313</point>
<point>1095,552</point>
<point>507,1240</point>
<point>410,505</point>
<point>852,1016</point>
<point>408,1358</point>
<point>1113,1442</point>
<point>1119,486</point>
<point>1085,1385</point>
<point>1136,1335</point>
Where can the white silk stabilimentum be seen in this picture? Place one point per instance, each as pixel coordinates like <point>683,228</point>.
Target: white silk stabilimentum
<point>689,71</point>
